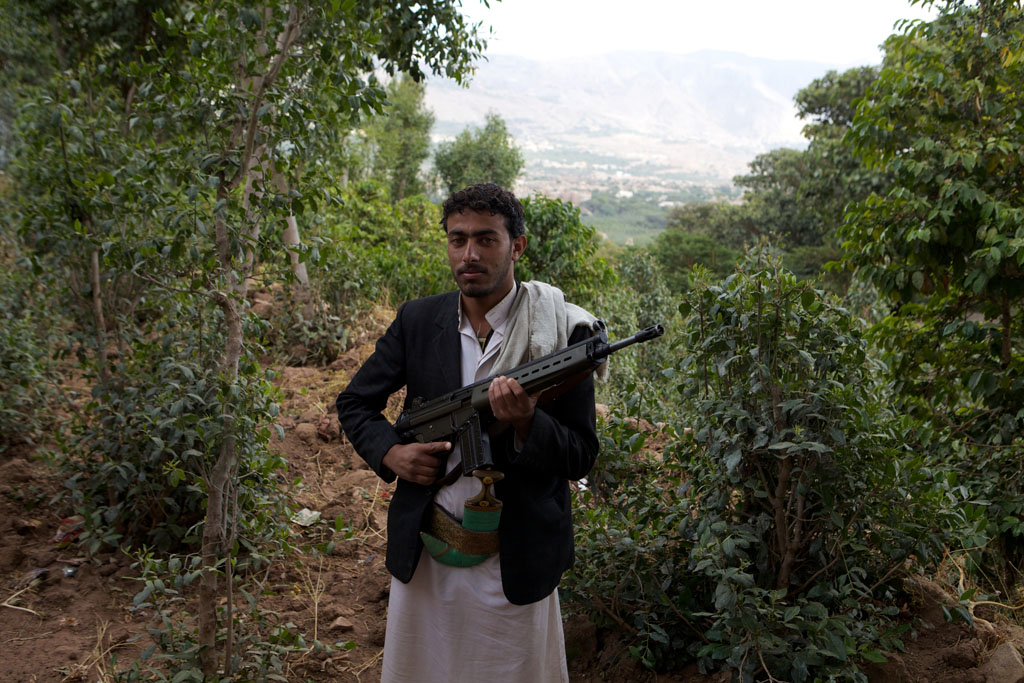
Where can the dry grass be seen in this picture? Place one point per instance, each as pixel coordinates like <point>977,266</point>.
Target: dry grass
<point>94,668</point>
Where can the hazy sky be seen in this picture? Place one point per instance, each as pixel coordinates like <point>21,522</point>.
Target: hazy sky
<point>840,33</point>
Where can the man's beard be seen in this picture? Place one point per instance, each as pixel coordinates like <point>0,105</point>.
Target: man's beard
<point>476,290</point>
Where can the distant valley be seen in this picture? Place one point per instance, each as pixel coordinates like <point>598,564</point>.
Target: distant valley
<point>675,127</point>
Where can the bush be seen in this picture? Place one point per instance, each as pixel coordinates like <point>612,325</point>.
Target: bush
<point>376,251</point>
<point>679,253</point>
<point>562,251</point>
<point>803,474</point>
<point>780,531</point>
<point>640,300</point>
<point>27,373</point>
<point>944,364</point>
<point>630,571</point>
<point>139,453</point>
<point>811,263</point>
<point>262,638</point>
<point>304,329</point>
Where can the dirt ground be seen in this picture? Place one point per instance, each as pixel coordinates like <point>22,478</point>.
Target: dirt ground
<point>66,616</point>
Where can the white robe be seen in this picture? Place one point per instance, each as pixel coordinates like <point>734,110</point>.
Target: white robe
<point>453,624</point>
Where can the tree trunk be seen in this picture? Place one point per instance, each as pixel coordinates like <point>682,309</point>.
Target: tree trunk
<point>220,481</point>
<point>98,318</point>
<point>1007,350</point>
<point>399,188</point>
<point>58,42</point>
<point>213,536</point>
<point>291,240</point>
<point>782,541</point>
<point>290,236</point>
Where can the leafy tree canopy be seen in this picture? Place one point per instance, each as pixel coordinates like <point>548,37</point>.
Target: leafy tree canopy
<point>945,118</point>
<point>562,250</point>
<point>709,234</point>
<point>775,202</point>
<point>831,101</point>
<point>400,138</point>
<point>482,155</point>
<point>945,243</point>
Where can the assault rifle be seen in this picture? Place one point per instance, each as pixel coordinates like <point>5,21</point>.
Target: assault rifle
<point>464,414</point>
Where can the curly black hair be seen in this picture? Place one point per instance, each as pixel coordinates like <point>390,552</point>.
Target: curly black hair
<point>488,198</point>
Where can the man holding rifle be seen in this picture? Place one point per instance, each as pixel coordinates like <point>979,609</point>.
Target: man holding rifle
<point>477,558</point>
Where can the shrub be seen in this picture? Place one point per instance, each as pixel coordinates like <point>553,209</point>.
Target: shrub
<point>776,537</point>
<point>375,250</point>
<point>262,638</point>
<point>680,252</point>
<point>139,453</point>
<point>26,372</point>
<point>562,251</point>
<point>304,329</point>
<point>640,300</point>
<point>943,361</point>
<point>803,473</point>
<point>630,571</point>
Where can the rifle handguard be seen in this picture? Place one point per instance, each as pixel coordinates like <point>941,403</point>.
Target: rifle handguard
<point>448,416</point>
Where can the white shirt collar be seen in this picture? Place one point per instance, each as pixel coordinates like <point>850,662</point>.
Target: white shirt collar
<point>496,317</point>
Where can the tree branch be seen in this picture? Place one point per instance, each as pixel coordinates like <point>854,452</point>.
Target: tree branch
<point>285,42</point>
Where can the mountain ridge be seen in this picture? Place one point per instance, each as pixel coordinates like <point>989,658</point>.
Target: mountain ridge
<point>631,119</point>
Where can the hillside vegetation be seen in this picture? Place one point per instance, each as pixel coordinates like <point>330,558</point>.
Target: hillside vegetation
<point>196,194</point>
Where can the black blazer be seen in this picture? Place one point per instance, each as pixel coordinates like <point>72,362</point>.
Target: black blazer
<point>420,350</point>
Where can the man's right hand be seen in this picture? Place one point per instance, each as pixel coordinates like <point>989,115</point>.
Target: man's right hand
<point>415,462</point>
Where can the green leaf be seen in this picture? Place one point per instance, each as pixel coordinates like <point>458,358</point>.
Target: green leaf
<point>836,647</point>
<point>732,459</point>
<point>144,594</point>
<point>874,656</point>
<point>799,670</point>
<point>187,675</point>
<point>814,610</point>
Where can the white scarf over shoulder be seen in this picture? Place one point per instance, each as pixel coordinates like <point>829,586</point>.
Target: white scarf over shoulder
<point>540,322</point>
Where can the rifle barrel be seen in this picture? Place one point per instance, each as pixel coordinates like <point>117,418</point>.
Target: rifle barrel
<point>643,335</point>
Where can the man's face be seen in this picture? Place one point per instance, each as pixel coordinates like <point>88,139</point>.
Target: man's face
<point>481,254</point>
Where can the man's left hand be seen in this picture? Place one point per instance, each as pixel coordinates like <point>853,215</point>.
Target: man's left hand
<point>510,403</point>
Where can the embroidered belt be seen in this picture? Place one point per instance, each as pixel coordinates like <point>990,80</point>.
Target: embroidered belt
<point>442,525</point>
<point>475,538</point>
